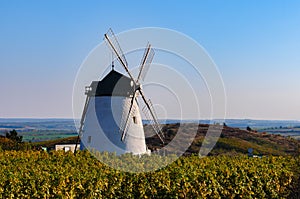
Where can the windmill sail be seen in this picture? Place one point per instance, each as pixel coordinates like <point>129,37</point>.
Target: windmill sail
<point>152,120</point>
<point>145,63</point>
<point>82,119</point>
<point>113,43</point>
<point>125,118</point>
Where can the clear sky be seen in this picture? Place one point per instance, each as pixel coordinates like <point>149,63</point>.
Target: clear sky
<point>255,44</point>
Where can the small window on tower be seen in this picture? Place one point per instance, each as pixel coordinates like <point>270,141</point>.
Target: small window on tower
<point>134,119</point>
<point>89,139</point>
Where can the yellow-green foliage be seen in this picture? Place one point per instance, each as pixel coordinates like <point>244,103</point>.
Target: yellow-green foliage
<point>31,174</point>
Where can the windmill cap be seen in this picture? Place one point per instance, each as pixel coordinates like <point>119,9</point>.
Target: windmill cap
<point>113,84</point>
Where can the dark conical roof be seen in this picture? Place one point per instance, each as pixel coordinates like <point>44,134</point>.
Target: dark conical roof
<point>113,84</point>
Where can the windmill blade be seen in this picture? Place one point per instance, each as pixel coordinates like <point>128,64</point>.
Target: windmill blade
<point>156,124</point>
<point>123,129</point>
<point>145,63</point>
<point>115,46</point>
<point>82,120</point>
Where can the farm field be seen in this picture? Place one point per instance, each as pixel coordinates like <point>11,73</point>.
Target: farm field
<point>226,173</point>
<point>37,130</point>
<point>37,174</point>
<point>293,132</point>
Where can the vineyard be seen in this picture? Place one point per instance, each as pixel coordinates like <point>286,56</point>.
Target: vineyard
<point>37,174</point>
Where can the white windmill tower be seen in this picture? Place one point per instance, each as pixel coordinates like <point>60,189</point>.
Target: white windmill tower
<point>111,119</point>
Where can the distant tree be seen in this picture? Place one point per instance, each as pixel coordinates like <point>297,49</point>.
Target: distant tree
<point>248,128</point>
<point>13,135</point>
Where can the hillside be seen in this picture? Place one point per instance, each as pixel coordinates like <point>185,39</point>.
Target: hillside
<point>231,141</point>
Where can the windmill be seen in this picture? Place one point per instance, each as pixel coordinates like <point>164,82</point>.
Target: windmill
<point>111,119</point>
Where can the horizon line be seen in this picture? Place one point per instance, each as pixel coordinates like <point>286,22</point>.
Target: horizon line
<point>69,118</point>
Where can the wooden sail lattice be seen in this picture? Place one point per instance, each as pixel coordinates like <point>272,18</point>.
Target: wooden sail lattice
<point>154,123</point>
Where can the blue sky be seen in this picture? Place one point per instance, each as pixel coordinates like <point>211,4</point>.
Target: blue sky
<point>255,45</point>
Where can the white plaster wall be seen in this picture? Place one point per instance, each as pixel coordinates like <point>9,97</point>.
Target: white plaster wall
<point>103,118</point>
